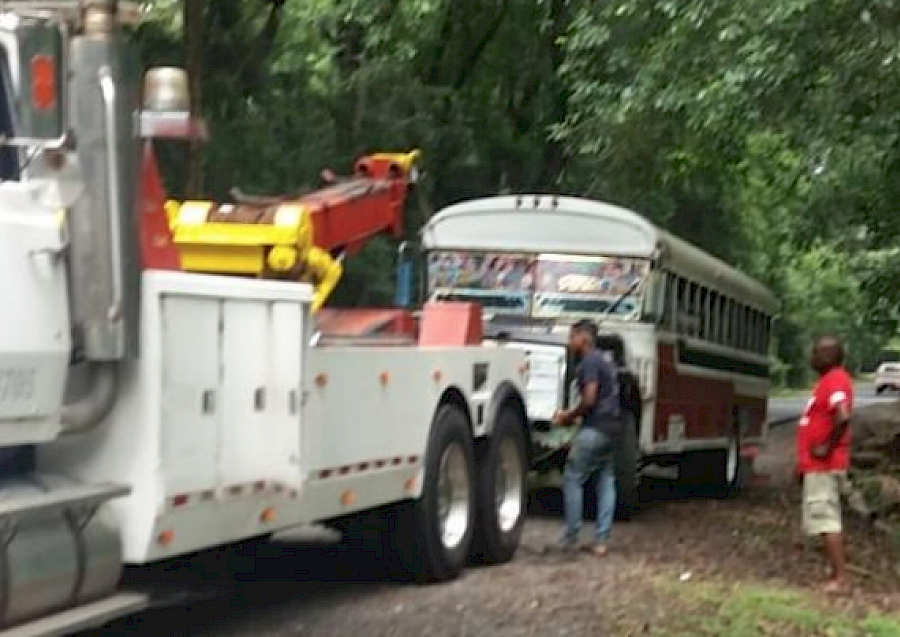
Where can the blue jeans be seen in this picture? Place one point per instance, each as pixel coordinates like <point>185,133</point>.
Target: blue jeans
<point>591,451</point>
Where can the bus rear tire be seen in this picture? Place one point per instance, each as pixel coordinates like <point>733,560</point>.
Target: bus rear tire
<point>437,535</point>
<point>502,491</point>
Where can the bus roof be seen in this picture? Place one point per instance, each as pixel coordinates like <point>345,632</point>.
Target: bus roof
<point>572,225</point>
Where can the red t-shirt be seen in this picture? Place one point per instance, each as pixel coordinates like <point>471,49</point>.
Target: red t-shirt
<point>835,387</point>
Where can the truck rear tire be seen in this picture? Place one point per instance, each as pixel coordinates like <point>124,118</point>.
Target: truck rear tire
<point>502,491</point>
<point>443,519</point>
<point>627,459</point>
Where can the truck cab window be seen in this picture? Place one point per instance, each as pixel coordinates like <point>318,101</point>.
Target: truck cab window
<point>9,155</point>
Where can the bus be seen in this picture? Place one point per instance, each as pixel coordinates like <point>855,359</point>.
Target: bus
<point>689,333</point>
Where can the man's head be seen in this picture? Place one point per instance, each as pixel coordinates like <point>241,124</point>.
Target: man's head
<point>827,353</point>
<point>582,337</point>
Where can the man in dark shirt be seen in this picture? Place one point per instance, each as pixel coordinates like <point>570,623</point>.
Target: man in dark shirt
<point>592,447</point>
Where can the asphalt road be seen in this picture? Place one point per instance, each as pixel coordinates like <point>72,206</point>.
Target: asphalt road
<point>787,409</point>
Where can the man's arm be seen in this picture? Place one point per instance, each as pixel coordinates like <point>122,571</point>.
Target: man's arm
<point>841,422</point>
<point>839,402</point>
<point>587,401</point>
<point>589,393</point>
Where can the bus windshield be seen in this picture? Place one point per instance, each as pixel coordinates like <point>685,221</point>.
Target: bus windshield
<point>541,286</point>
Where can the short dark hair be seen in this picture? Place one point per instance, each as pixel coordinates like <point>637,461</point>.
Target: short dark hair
<point>588,326</point>
<point>833,348</point>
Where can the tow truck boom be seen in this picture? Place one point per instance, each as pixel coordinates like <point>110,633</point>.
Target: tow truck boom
<point>297,237</point>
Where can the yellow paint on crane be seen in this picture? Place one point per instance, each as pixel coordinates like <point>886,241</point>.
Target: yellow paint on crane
<point>404,160</point>
<point>282,248</point>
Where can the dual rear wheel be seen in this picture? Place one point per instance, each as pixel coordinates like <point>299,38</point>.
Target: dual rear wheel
<point>472,505</point>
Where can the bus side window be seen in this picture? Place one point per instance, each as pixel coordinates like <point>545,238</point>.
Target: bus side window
<point>729,322</point>
<point>754,331</point>
<point>681,305</point>
<point>767,334</point>
<point>746,340</point>
<point>715,316</point>
<point>694,311</point>
<point>703,313</point>
<point>658,306</point>
<point>737,322</point>
<point>668,315</point>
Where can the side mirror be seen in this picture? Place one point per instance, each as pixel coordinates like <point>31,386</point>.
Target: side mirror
<point>405,285</point>
<point>41,104</point>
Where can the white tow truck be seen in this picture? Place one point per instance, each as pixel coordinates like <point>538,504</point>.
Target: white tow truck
<point>151,413</point>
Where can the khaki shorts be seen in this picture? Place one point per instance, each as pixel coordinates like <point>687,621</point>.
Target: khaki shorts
<point>822,502</point>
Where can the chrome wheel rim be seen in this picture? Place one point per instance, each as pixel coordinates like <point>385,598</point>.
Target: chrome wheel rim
<point>508,485</point>
<point>453,496</point>
<point>731,461</point>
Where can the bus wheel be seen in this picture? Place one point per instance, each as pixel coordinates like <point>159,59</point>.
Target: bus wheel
<point>731,480</point>
<point>502,491</point>
<point>720,470</point>
<point>627,462</point>
<point>443,518</point>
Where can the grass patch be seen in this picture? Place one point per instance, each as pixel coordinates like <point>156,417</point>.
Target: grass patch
<point>706,610</point>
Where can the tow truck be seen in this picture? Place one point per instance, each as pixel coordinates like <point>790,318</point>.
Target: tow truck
<point>165,386</point>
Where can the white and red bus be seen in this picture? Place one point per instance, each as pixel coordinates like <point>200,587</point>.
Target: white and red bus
<point>690,333</point>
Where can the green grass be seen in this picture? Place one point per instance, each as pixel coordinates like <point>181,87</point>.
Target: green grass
<point>705,610</point>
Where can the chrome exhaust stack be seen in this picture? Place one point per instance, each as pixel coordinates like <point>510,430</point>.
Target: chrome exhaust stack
<point>105,273</point>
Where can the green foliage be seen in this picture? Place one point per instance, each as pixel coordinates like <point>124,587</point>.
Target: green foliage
<point>765,133</point>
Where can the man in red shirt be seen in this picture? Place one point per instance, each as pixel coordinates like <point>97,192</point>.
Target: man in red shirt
<point>823,453</point>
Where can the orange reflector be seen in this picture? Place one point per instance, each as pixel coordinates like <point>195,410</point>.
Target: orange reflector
<point>321,380</point>
<point>348,498</point>
<point>179,500</point>
<point>166,537</point>
<point>43,82</point>
<point>410,484</point>
<point>437,375</point>
<point>267,516</point>
<point>383,377</point>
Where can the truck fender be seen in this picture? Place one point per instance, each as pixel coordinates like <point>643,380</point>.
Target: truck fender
<point>506,394</point>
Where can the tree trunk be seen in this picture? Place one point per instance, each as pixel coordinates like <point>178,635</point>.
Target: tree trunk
<point>193,33</point>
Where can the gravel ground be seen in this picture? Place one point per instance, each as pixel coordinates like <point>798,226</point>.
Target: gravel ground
<point>678,537</point>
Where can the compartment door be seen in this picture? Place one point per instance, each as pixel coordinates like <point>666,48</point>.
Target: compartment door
<point>191,401</point>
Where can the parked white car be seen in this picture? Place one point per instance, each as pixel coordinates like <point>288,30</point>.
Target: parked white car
<point>887,377</point>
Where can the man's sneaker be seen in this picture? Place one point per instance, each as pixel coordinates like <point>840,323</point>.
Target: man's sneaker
<point>599,550</point>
